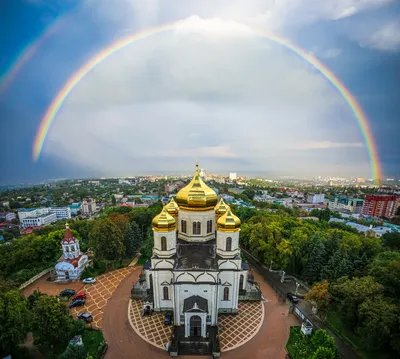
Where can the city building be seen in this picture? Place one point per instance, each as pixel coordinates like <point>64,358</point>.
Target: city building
<point>380,205</point>
<point>8,216</point>
<point>233,176</point>
<point>75,208</point>
<point>61,212</point>
<point>316,198</point>
<point>88,207</point>
<point>72,262</point>
<point>35,217</point>
<point>196,269</point>
<point>339,203</point>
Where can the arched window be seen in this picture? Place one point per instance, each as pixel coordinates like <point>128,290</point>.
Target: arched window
<point>209,226</point>
<point>163,243</point>
<point>228,244</point>
<point>196,227</point>
<point>165,293</point>
<point>183,226</point>
<point>226,293</point>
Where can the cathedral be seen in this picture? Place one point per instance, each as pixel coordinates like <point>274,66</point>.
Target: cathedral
<point>196,271</point>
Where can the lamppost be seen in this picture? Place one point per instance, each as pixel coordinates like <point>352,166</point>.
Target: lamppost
<point>283,276</point>
<point>297,287</point>
<point>270,266</point>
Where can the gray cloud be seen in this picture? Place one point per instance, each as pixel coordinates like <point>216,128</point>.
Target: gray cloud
<point>208,89</point>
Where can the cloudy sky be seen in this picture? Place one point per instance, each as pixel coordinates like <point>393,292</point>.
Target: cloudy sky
<point>209,88</point>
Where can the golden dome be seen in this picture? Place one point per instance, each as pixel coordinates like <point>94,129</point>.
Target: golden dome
<point>228,222</point>
<point>196,196</point>
<point>164,222</point>
<point>221,208</point>
<point>172,208</point>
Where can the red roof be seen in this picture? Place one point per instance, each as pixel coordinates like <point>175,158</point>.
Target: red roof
<point>68,236</point>
<point>73,261</point>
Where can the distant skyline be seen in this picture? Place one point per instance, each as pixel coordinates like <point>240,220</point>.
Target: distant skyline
<point>234,100</point>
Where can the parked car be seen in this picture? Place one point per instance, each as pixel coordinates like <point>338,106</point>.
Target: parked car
<point>168,318</point>
<point>67,293</point>
<point>77,303</point>
<point>79,295</point>
<point>89,281</point>
<point>85,316</point>
<point>292,298</point>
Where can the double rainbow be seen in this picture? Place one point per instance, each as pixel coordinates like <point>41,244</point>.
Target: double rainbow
<point>118,45</point>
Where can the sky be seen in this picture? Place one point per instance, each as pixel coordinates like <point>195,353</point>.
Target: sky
<point>209,89</point>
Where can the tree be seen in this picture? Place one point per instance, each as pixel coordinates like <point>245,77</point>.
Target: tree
<point>378,319</point>
<point>312,270</point>
<point>132,238</point>
<point>14,319</point>
<point>120,220</point>
<point>324,353</point>
<point>319,294</point>
<point>391,240</point>
<point>385,268</point>
<point>339,265</point>
<point>107,240</point>
<point>52,325</point>
<point>321,339</point>
<point>349,294</point>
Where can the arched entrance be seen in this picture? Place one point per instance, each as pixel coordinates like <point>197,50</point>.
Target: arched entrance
<point>195,326</point>
<point>241,282</point>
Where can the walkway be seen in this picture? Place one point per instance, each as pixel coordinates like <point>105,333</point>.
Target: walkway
<point>124,343</point>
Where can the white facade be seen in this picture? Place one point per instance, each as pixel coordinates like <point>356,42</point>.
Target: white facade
<point>196,269</point>
<point>72,263</point>
<point>316,198</point>
<point>232,176</point>
<point>61,212</point>
<point>34,217</point>
<point>88,206</point>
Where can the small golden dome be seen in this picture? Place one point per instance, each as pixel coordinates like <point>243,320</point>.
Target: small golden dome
<point>197,196</point>
<point>221,208</point>
<point>228,222</point>
<point>172,208</point>
<point>164,222</point>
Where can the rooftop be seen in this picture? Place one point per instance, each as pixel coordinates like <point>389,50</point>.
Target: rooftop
<point>196,255</point>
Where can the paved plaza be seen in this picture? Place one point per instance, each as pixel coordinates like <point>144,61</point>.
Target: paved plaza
<point>97,294</point>
<point>235,329</point>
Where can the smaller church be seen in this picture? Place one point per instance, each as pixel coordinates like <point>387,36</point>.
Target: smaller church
<point>73,262</point>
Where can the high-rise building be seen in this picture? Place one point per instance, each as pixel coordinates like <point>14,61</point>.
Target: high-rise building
<point>88,206</point>
<point>380,205</point>
<point>232,176</point>
<point>35,217</point>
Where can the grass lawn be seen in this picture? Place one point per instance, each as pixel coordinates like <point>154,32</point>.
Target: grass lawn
<point>91,339</point>
<point>335,323</point>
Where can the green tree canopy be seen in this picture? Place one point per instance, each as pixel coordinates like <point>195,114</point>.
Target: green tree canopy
<point>14,319</point>
<point>107,240</point>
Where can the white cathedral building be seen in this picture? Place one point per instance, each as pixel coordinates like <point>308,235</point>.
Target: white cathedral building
<point>196,270</point>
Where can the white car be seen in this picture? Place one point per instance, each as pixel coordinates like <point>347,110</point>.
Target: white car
<point>89,281</point>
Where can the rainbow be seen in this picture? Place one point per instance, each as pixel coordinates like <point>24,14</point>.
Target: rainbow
<point>120,44</point>
<point>27,52</point>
